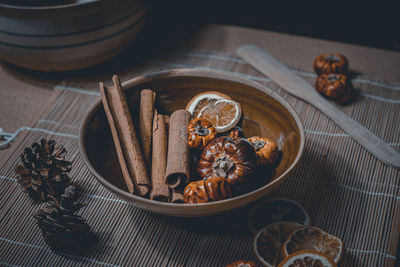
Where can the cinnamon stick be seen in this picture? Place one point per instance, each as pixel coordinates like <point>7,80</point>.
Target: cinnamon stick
<point>177,172</point>
<point>124,136</point>
<point>160,190</point>
<point>177,195</point>
<point>147,98</point>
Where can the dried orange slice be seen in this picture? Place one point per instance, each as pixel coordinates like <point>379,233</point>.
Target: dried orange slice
<point>276,210</point>
<point>219,109</point>
<point>313,238</point>
<point>268,242</point>
<point>307,258</point>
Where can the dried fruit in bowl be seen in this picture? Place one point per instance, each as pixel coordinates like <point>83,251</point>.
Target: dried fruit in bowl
<point>236,132</point>
<point>267,151</point>
<point>225,157</point>
<point>200,132</point>
<point>313,238</point>
<point>208,190</point>
<point>335,86</point>
<point>219,109</point>
<point>330,63</point>
<point>241,263</point>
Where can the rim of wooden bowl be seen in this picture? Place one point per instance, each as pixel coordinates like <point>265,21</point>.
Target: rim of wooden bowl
<point>201,209</point>
<point>47,7</point>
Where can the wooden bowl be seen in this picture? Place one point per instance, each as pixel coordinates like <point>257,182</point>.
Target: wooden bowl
<point>265,113</point>
<point>68,36</point>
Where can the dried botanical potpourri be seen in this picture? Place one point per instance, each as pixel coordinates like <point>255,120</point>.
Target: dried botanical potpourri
<point>198,154</point>
<point>266,150</point>
<point>232,159</point>
<point>44,170</point>
<point>223,112</point>
<point>330,63</point>
<point>207,190</point>
<point>333,81</point>
<point>235,132</point>
<point>307,258</point>
<point>268,242</point>
<point>335,86</point>
<point>288,240</point>
<point>313,238</point>
<point>241,263</point>
<point>201,132</point>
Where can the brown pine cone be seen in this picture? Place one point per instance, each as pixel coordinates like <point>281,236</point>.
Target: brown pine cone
<point>43,171</point>
<point>60,226</point>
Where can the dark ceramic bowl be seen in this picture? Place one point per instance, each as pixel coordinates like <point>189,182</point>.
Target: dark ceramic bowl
<point>265,113</point>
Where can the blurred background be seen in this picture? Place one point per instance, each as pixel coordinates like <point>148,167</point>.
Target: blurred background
<point>365,23</point>
<point>62,35</point>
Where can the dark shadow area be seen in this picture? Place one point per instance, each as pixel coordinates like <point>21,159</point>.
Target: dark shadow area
<point>367,24</point>
<point>232,223</point>
<point>167,25</point>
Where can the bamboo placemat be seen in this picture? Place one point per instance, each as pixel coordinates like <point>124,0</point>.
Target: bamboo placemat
<point>346,190</point>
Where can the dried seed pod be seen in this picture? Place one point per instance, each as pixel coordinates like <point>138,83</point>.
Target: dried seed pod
<point>330,63</point>
<point>201,131</point>
<point>335,86</point>
<point>267,151</point>
<point>236,132</point>
<point>208,190</point>
<point>241,263</point>
<point>232,159</point>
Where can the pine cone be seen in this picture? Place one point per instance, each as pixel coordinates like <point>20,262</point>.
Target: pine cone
<point>43,171</point>
<point>61,228</point>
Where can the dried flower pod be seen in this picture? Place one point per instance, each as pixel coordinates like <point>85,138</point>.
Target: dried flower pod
<point>232,159</point>
<point>236,132</point>
<point>267,151</point>
<point>201,131</point>
<point>330,63</point>
<point>335,86</point>
<point>208,190</point>
<point>241,263</point>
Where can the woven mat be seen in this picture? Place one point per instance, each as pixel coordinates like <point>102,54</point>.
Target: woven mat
<point>346,191</point>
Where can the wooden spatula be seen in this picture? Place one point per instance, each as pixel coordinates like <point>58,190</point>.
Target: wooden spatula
<point>297,86</point>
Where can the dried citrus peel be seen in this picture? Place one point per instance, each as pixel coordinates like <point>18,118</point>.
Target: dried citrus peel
<point>219,109</point>
<point>307,258</point>
<point>268,242</point>
<point>313,238</point>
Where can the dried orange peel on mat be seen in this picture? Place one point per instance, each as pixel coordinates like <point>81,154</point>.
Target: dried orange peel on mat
<point>268,242</point>
<point>313,238</point>
<point>223,112</point>
<point>276,210</point>
<point>241,263</point>
<point>307,258</point>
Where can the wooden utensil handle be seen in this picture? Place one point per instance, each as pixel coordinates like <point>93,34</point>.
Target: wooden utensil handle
<point>297,86</point>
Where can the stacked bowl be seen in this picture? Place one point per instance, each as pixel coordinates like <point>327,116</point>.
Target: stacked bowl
<point>68,35</point>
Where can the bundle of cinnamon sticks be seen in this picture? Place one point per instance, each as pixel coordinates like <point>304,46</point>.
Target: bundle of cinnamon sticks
<point>153,155</point>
